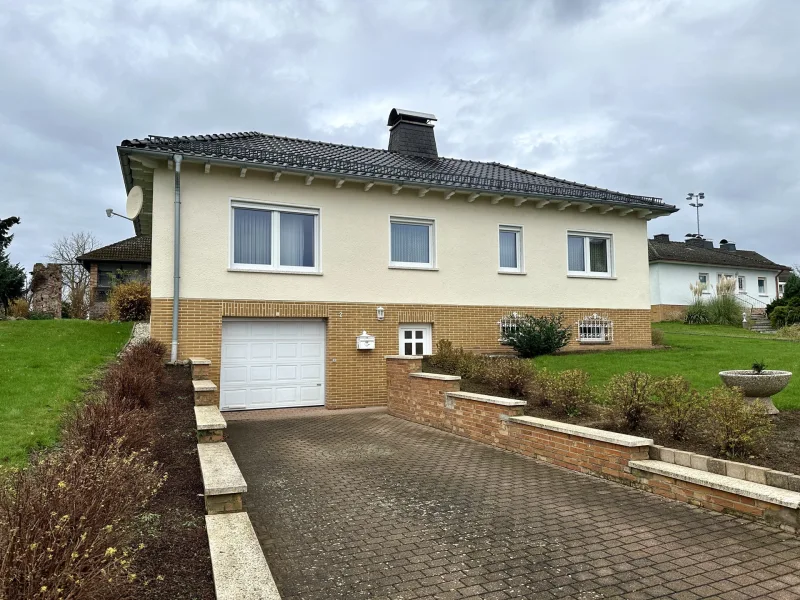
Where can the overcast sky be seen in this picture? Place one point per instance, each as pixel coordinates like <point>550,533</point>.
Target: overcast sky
<point>647,97</point>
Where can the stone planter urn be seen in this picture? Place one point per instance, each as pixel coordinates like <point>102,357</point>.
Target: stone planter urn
<point>758,387</point>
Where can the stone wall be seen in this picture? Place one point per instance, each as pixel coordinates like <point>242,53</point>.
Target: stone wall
<point>46,285</point>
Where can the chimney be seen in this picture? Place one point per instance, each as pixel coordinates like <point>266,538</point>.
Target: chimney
<point>727,246</point>
<point>708,244</point>
<point>411,133</point>
<point>661,237</point>
<point>696,242</point>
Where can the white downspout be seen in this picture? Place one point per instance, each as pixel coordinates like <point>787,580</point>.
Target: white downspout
<point>176,259</point>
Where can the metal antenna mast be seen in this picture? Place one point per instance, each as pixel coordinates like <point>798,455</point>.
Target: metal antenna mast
<point>697,204</point>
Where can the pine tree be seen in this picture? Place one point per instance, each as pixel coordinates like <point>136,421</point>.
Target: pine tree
<point>12,277</point>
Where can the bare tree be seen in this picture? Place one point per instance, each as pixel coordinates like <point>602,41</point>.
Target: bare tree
<point>76,278</point>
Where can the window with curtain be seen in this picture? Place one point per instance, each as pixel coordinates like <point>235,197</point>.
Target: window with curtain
<point>411,243</point>
<point>589,255</point>
<point>762,285</point>
<point>272,239</point>
<point>510,249</point>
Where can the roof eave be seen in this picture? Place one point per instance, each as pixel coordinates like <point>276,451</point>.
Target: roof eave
<point>661,209</point>
<point>773,268</point>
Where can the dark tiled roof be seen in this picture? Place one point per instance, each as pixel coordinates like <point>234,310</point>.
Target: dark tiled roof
<point>135,249</point>
<point>681,252</point>
<point>376,164</point>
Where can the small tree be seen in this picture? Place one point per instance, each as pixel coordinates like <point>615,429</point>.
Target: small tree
<point>792,288</point>
<point>534,336</point>
<point>76,278</point>
<point>12,277</point>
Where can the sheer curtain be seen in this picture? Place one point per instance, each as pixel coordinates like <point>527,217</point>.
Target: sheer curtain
<point>297,240</point>
<point>577,261</point>
<point>598,255</point>
<point>252,236</point>
<point>508,250</point>
<point>410,243</point>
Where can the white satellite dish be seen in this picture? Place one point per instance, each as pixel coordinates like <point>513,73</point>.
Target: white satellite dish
<point>133,206</point>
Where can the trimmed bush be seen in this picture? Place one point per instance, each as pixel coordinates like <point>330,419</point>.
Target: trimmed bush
<point>628,396</point>
<point>536,336</point>
<point>735,427</point>
<point>18,308</point>
<point>657,337</point>
<point>129,302</point>
<point>677,407</point>
<point>570,392</point>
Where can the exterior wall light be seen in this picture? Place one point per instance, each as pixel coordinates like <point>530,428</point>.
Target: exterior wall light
<point>380,312</point>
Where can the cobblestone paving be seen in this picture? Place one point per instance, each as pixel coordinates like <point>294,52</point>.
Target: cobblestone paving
<point>364,505</point>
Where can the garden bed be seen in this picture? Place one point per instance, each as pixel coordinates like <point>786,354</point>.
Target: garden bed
<point>176,559</point>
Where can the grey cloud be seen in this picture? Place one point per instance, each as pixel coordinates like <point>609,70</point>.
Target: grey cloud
<point>650,98</point>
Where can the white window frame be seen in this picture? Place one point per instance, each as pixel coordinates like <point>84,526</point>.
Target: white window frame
<point>741,284</point>
<point>707,282</point>
<point>275,250</point>
<point>781,288</point>
<point>609,237</point>
<point>520,268</point>
<point>765,292</point>
<point>431,223</point>
<point>427,339</point>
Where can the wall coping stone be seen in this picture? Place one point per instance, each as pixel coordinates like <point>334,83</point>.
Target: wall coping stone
<point>396,357</point>
<point>438,376</point>
<point>209,418</point>
<point>240,569</point>
<point>749,489</point>
<point>204,385</point>
<point>199,361</point>
<point>221,474</point>
<point>600,435</point>
<point>487,399</point>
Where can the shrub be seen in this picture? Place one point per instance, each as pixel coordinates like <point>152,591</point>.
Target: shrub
<point>570,392</point>
<point>790,332</point>
<point>18,308</point>
<point>133,381</point>
<point>696,313</point>
<point>628,395</point>
<point>540,390</point>
<point>787,313</point>
<point>457,361</point>
<point>723,309</point>
<point>657,337</point>
<point>510,376</point>
<point>734,426</point>
<point>65,524</point>
<point>792,288</point>
<point>129,301</point>
<point>36,315</point>
<point>677,407</point>
<point>535,336</point>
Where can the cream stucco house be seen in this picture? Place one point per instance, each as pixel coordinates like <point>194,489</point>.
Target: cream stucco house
<point>289,249</point>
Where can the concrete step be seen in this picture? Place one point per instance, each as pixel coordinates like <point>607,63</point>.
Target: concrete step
<point>240,569</point>
<point>200,367</point>
<point>205,392</point>
<point>210,424</point>
<point>223,483</point>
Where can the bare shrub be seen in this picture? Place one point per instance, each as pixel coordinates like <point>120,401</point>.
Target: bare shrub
<point>677,408</point>
<point>541,389</point>
<point>129,301</point>
<point>65,524</point>
<point>570,392</point>
<point>628,396</point>
<point>509,376</point>
<point>657,337</point>
<point>19,308</point>
<point>133,381</point>
<point>735,427</point>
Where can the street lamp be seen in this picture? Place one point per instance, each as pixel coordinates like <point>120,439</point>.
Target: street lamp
<point>697,204</point>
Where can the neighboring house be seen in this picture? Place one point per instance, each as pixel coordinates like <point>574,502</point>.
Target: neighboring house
<point>289,249</point>
<point>122,261</point>
<point>676,265</point>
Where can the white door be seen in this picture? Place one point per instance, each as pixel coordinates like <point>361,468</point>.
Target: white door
<point>272,363</point>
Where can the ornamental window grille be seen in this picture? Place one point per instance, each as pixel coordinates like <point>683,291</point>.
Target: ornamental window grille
<point>595,329</point>
<point>508,324</point>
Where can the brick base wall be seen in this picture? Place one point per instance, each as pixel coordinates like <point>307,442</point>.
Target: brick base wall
<point>667,312</point>
<point>358,378</point>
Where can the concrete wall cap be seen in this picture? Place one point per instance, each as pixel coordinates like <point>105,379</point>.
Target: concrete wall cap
<point>240,569</point>
<point>204,385</point>
<point>438,376</point>
<point>199,361</point>
<point>396,357</point>
<point>209,417</point>
<point>749,489</point>
<point>487,399</point>
<point>221,474</point>
<point>600,435</point>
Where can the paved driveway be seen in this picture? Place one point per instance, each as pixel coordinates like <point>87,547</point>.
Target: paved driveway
<point>364,505</point>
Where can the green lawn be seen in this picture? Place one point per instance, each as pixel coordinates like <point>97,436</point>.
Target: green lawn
<point>699,353</point>
<point>44,365</point>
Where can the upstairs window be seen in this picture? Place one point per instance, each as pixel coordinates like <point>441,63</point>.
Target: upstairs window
<point>271,238</point>
<point>589,254</point>
<point>511,249</point>
<point>412,243</point>
<point>762,286</point>
<point>741,284</point>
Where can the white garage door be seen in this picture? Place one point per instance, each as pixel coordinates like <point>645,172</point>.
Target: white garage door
<point>272,363</point>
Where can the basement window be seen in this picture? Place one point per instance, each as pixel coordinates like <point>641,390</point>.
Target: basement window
<point>595,329</point>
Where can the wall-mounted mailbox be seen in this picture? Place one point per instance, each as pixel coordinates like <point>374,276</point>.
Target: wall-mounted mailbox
<point>365,341</point>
